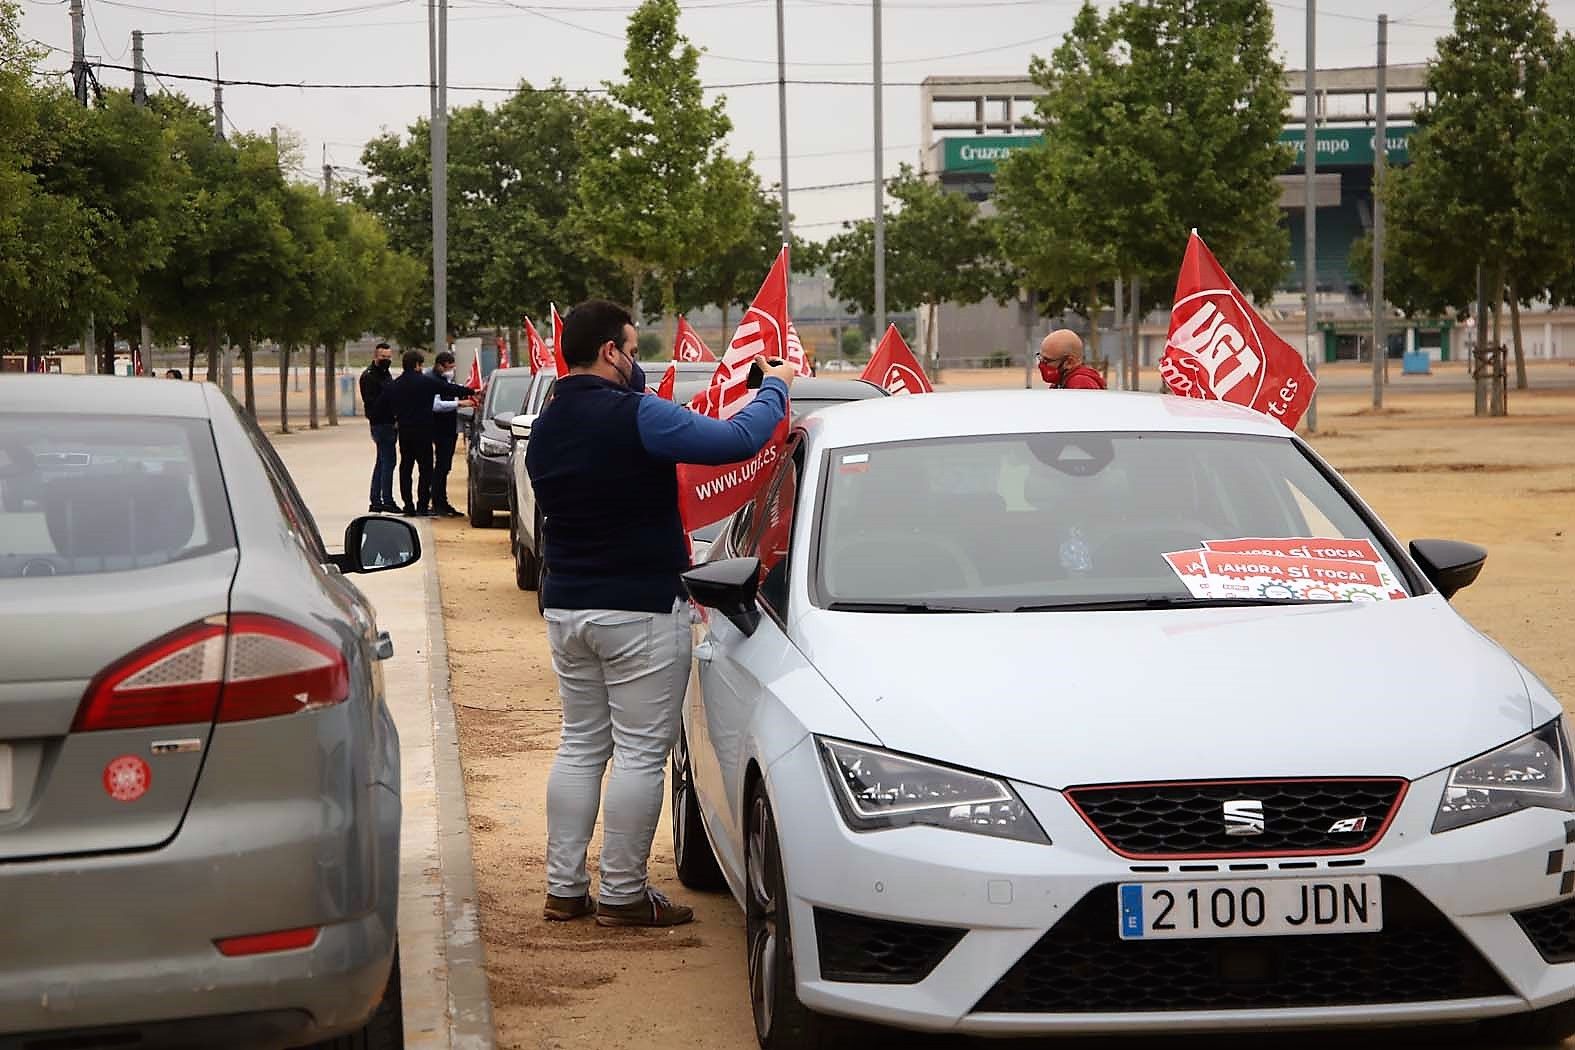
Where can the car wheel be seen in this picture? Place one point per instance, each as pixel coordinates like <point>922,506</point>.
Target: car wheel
<point>781,1021</point>
<point>1549,1026</point>
<point>541,580</point>
<point>525,567</point>
<point>386,1028</point>
<point>692,854</point>
<point>480,515</point>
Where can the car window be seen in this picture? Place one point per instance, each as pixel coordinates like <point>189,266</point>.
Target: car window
<point>771,529</point>
<point>506,393</point>
<point>291,505</point>
<point>1026,519</point>
<point>541,393</point>
<point>83,495</point>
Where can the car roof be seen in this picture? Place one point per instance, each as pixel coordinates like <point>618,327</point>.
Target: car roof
<point>965,413</point>
<point>54,394</point>
<point>509,372</point>
<point>808,388</point>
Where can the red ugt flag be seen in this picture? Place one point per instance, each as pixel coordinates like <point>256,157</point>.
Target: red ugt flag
<point>709,494</point>
<point>474,382</point>
<point>503,353</point>
<point>557,343</point>
<point>1219,349</point>
<point>541,359</point>
<point>688,345</point>
<point>894,367</point>
<point>664,389</point>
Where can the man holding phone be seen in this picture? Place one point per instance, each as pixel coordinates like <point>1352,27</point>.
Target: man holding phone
<point>603,459</point>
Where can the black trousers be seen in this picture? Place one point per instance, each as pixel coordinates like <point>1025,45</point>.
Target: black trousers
<point>415,450</point>
<point>443,441</point>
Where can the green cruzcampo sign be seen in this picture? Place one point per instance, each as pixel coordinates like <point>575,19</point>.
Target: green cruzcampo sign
<point>981,153</point>
<point>1350,147</point>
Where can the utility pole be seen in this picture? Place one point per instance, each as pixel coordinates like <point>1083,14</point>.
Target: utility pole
<point>1380,162</point>
<point>79,86</point>
<point>437,27</point>
<point>1310,219</point>
<point>782,135</point>
<point>880,191</point>
<point>139,87</point>
<point>273,136</point>
<point>1120,336</point>
<point>218,101</point>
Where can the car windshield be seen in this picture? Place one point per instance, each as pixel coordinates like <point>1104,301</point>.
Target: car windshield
<point>1043,521</point>
<point>94,495</point>
<point>508,394</point>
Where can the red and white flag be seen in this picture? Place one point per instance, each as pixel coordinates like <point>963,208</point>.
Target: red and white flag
<point>894,368</point>
<point>795,352</point>
<point>541,359</point>
<point>709,494</point>
<point>1219,349</point>
<point>503,352</point>
<point>557,343</point>
<point>474,382</point>
<point>688,346</point>
<point>664,389</point>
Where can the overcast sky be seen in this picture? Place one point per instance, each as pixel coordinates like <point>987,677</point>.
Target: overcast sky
<point>498,42</point>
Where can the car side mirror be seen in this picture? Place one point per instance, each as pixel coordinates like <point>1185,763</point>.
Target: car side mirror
<point>376,544</point>
<point>1449,565</point>
<point>520,425</point>
<point>503,419</point>
<point>728,586</point>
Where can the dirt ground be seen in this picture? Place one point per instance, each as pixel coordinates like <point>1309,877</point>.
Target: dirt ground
<point>1425,465</point>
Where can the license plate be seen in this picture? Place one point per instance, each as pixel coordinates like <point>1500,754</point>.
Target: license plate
<point>5,777</point>
<point>1249,908</point>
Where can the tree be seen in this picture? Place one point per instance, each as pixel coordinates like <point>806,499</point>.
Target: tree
<point>1545,157</point>
<point>1160,118</point>
<point>1460,203</point>
<point>641,190</point>
<point>938,249</point>
<point>751,220</point>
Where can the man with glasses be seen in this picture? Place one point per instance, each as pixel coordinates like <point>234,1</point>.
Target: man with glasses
<point>1061,363</point>
<point>603,459</point>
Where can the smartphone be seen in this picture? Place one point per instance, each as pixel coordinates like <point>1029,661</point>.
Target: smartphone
<point>757,375</point>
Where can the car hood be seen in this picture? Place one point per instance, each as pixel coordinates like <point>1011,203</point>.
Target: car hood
<point>1057,699</point>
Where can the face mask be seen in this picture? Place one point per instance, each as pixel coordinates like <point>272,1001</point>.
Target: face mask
<point>1050,373</point>
<point>636,377</point>
<point>384,365</point>
<point>448,374</point>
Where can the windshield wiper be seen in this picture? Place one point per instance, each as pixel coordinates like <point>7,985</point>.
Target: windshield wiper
<point>1170,601</point>
<point>910,607</point>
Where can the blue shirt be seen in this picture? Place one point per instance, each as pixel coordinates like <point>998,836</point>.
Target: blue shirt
<point>678,434</point>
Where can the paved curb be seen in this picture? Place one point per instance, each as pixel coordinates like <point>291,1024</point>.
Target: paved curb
<point>469,1002</point>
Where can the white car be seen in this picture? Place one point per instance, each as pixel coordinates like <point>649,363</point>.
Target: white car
<point>974,755</point>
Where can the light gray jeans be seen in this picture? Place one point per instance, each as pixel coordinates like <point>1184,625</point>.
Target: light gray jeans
<point>621,677</point>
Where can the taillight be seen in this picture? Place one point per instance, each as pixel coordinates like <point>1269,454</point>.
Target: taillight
<point>171,681</point>
<point>277,668</point>
<point>256,668</point>
<point>260,943</point>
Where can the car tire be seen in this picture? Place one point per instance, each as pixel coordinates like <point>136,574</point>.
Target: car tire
<point>526,569</point>
<point>385,1030</point>
<point>1549,1026</point>
<point>781,1021</point>
<point>480,516</point>
<point>692,853</point>
<point>541,589</point>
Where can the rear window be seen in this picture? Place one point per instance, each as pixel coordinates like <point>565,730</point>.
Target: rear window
<point>82,495</point>
<point>508,394</point>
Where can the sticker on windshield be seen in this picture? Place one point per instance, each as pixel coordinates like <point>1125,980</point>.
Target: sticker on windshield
<point>1286,569</point>
<point>857,463</point>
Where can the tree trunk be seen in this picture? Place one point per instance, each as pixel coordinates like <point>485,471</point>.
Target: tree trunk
<point>311,385</point>
<point>514,347</point>
<point>191,356</point>
<point>107,350</point>
<point>932,352</point>
<point>634,296</point>
<point>331,401</point>
<point>727,335</point>
<point>246,374</point>
<point>284,388</point>
<point>670,309</point>
<point>1520,349</point>
<point>1094,353</point>
<point>1134,357</point>
<point>1496,405</point>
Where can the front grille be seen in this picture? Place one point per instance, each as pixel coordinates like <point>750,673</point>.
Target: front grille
<point>1146,821</point>
<point>1083,966</point>
<point>1551,929</point>
<point>856,948</point>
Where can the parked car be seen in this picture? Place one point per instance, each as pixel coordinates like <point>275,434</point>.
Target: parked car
<point>809,395</point>
<point>509,391</point>
<point>975,756</point>
<point>199,776</point>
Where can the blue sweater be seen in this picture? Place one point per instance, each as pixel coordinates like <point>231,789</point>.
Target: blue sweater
<point>603,462</point>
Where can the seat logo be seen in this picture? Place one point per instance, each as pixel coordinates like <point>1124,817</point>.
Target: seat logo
<point>1348,826</point>
<point>1243,816</point>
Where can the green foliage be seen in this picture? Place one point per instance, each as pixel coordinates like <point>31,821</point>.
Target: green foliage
<point>651,346</point>
<point>1163,117</point>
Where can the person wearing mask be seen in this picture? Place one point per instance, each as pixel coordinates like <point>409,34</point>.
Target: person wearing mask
<point>385,434</point>
<point>410,398</point>
<point>1061,363</point>
<point>445,433</point>
<point>603,461</point>
<point>173,373</point>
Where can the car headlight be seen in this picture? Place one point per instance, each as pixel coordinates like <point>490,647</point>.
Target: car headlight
<point>1532,772</point>
<point>494,447</point>
<point>877,789</point>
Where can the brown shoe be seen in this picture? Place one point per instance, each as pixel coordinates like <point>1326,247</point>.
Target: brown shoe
<point>564,909</point>
<point>654,910</point>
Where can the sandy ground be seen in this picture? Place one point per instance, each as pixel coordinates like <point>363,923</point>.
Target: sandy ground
<point>1424,464</point>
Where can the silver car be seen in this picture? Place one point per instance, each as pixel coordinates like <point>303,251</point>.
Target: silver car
<point>199,777</point>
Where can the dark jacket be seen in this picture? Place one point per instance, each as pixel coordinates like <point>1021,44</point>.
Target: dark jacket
<point>603,463</point>
<point>410,396</point>
<point>373,382</point>
<point>446,422</point>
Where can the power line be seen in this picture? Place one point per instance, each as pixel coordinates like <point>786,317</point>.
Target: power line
<point>98,33</point>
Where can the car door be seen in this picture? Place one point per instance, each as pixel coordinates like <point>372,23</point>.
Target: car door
<point>734,670</point>
<point>524,493</point>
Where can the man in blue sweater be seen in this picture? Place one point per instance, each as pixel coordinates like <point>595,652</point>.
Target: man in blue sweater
<point>603,462</point>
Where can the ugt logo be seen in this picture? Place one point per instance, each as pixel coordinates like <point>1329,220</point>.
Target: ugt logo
<point>1217,338</point>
